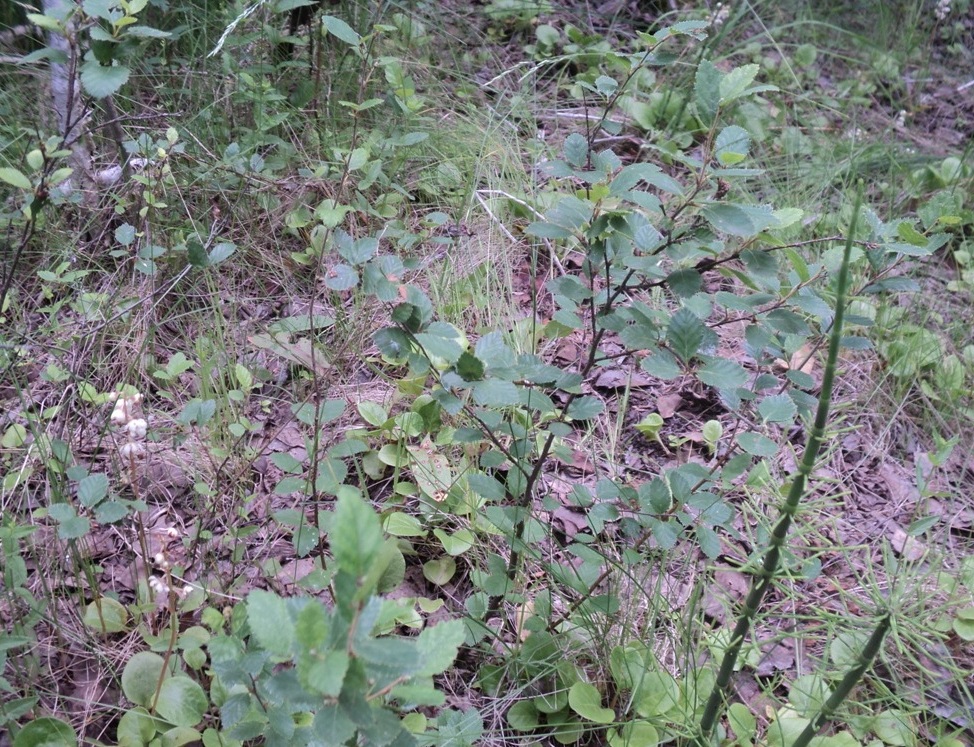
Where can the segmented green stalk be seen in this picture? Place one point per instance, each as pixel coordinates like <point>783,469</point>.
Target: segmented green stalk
<point>772,556</point>
<point>842,690</point>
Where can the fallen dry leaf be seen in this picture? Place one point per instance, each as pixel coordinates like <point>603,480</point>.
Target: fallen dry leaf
<point>668,404</point>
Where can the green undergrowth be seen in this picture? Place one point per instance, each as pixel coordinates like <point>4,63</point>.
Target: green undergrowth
<point>402,390</point>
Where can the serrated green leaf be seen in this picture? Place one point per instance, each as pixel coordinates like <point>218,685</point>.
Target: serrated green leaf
<point>756,444</point>
<point>706,91</point>
<point>74,527</point>
<point>125,234</point>
<point>906,231</point>
<point>48,23</point>
<point>341,277</point>
<point>787,322</point>
<point>100,81</point>
<point>270,622</point>
<point>469,367</point>
<point>684,283</point>
<point>576,150</point>
<point>684,334</point>
<point>93,489</point>
<point>496,393</point>
<point>630,176</point>
<point>778,408</point>
<point>585,408</point>
<point>662,365</point>
<point>735,83</point>
<point>722,374</point>
<point>708,541</point>
<point>392,343</point>
<point>544,230</point>
<point>732,145</point>
<point>324,674</point>
<point>311,626</point>
<point>437,646</point>
<point>356,535</point>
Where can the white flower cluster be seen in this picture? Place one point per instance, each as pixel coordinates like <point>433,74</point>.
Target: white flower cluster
<point>127,417</point>
<point>721,13</point>
<point>942,10</point>
<point>160,585</point>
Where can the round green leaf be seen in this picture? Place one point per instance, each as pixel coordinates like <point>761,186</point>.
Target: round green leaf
<point>895,727</point>
<point>586,700</point>
<point>101,81</point>
<point>523,716</point>
<point>657,693</point>
<point>440,570</point>
<point>46,732</point>
<point>341,277</point>
<point>964,624</point>
<point>106,615</point>
<point>195,658</point>
<point>742,721</point>
<point>136,728</point>
<point>180,735</point>
<point>458,542</point>
<point>141,677</point>
<point>181,702</point>
<point>636,734</point>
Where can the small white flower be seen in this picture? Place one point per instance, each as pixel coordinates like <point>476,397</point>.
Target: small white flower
<point>137,428</point>
<point>721,13</point>
<point>942,10</point>
<point>124,409</point>
<point>901,118</point>
<point>131,450</point>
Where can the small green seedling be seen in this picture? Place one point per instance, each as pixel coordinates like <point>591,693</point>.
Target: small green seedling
<point>650,426</point>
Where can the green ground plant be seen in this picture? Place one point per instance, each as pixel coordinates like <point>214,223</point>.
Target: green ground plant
<point>339,463</point>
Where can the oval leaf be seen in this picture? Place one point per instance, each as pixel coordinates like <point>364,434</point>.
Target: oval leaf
<point>106,615</point>
<point>181,702</point>
<point>15,178</point>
